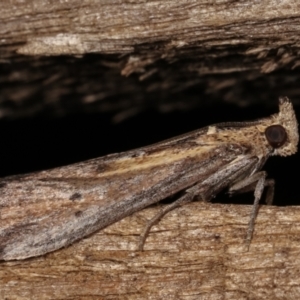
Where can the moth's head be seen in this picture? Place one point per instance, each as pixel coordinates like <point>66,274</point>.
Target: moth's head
<point>282,135</point>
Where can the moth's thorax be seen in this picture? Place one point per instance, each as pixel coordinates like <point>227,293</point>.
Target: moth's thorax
<point>252,137</point>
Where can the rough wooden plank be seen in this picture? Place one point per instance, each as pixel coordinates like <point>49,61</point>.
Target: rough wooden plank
<point>223,49</point>
<point>195,252</point>
<point>77,27</point>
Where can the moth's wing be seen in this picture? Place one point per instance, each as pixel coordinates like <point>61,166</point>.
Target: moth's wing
<point>47,210</point>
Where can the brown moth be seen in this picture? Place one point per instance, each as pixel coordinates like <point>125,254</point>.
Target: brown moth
<point>45,211</point>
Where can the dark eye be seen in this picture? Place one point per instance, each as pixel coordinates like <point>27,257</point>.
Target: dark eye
<point>276,135</point>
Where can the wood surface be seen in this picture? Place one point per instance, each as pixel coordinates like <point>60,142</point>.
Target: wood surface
<point>195,252</point>
<point>61,57</point>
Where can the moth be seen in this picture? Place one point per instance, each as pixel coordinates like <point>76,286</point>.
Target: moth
<point>47,210</point>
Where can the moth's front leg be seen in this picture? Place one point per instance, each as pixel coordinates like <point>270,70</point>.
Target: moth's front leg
<point>249,184</point>
<point>188,197</point>
<point>256,182</point>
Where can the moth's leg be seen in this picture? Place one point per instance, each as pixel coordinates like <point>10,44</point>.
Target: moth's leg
<point>257,182</point>
<point>270,183</point>
<point>188,197</point>
<point>249,184</point>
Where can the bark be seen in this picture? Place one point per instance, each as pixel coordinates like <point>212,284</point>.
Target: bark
<point>195,252</point>
<point>129,56</point>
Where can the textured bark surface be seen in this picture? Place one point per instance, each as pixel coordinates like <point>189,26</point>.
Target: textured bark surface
<point>195,252</point>
<point>134,55</point>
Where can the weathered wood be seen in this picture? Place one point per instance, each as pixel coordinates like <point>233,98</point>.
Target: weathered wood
<point>220,49</point>
<point>78,27</point>
<point>195,252</point>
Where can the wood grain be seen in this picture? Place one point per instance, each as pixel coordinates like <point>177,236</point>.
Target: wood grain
<point>76,27</point>
<point>152,51</point>
<point>195,252</point>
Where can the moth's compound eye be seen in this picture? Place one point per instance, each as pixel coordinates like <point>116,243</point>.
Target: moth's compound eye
<point>276,135</point>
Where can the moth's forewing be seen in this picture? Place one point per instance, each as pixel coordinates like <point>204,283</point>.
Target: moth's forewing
<point>47,210</point>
